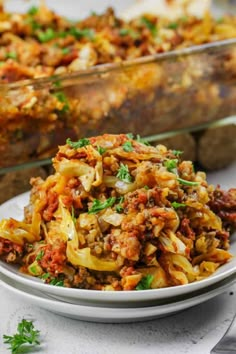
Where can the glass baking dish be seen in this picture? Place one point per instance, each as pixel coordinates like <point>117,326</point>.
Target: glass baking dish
<point>163,93</point>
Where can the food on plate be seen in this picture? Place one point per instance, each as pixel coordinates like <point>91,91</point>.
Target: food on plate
<point>67,95</point>
<point>119,214</point>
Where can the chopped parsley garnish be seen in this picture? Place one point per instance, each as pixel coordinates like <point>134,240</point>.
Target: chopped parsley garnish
<point>171,164</point>
<point>45,276</point>
<point>82,33</point>
<point>130,135</point>
<point>187,183</point>
<point>119,207</point>
<point>65,51</point>
<point>63,99</point>
<point>99,205</point>
<point>177,152</point>
<point>127,146</point>
<point>33,11</point>
<point>151,26</point>
<point>56,282</point>
<point>128,32</point>
<point>123,173</point>
<point>47,35</point>
<point>25,338</point>
<point>145,282</point>
<point>177,205</point>
<point>11,55</point>
<point>34,24</point>
<point>146,187</point>
<point>35,268</point>
<point>78,144</point>
<point>101,150</point>
<point>124,31</point>
<point>141,140</point>
<point>173,25</point>
<point>57,83</point>
<point>40,255</point>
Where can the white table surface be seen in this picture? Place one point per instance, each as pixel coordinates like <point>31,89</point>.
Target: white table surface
<point>193,331</point>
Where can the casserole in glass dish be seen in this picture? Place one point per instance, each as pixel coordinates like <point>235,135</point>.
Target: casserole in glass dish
<point>184,88</point>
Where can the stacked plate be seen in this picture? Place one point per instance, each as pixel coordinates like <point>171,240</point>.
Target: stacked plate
<point>110,306</point>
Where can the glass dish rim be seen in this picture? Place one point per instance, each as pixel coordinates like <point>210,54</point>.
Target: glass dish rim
<point>110,67</point>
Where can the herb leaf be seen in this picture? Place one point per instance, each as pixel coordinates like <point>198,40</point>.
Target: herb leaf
<point>98,205</point>
<point>187,183</point>
<point>26,334</point>
<point>151,26</point>
<point>40,255</point>
<point>101,150</point>
<point>177,205</point>
<point>145,282</point>
<point>63,99</point>
<point>128,32</point>
<point>171,164</point>
<point>130,135</point>
<point>141,140</point>
<point>123,173</point>
<point>47,35</point>
<point>11,55</point>
<point>78,144</point>
<point>81,33</point>
<point>127,146</point>
<point>65,50</point>
<point>177,152</point>
<point>173,25</point>
<point>32,11</point>
<point>45,276</point>
<point>119,207</point>
<point>56,282</point>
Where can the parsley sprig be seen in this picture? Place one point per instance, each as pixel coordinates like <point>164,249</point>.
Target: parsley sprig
<point>142,140</point>
<point>137,138</point>
<point>145,282</point>
<point>63,99</point>
<point>177,153</point>
<point>151,26</point>
<point>56,282</point>
<point>127,146</point>
<point>25,337</point>
<point>119,207</point>
<point>101,150</point>
<point>33,10</point>
<point>40,255</point>
<point>171,166</point>
<point>177,205</point>
<point>123,173</point>
<point>99,205</point>
<point>78,144</point>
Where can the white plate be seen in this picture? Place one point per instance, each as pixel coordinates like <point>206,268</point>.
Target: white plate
<point>111,315</point>
<point>14,208</point>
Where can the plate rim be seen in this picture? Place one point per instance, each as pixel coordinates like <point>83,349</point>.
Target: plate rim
<point>114,314</point>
